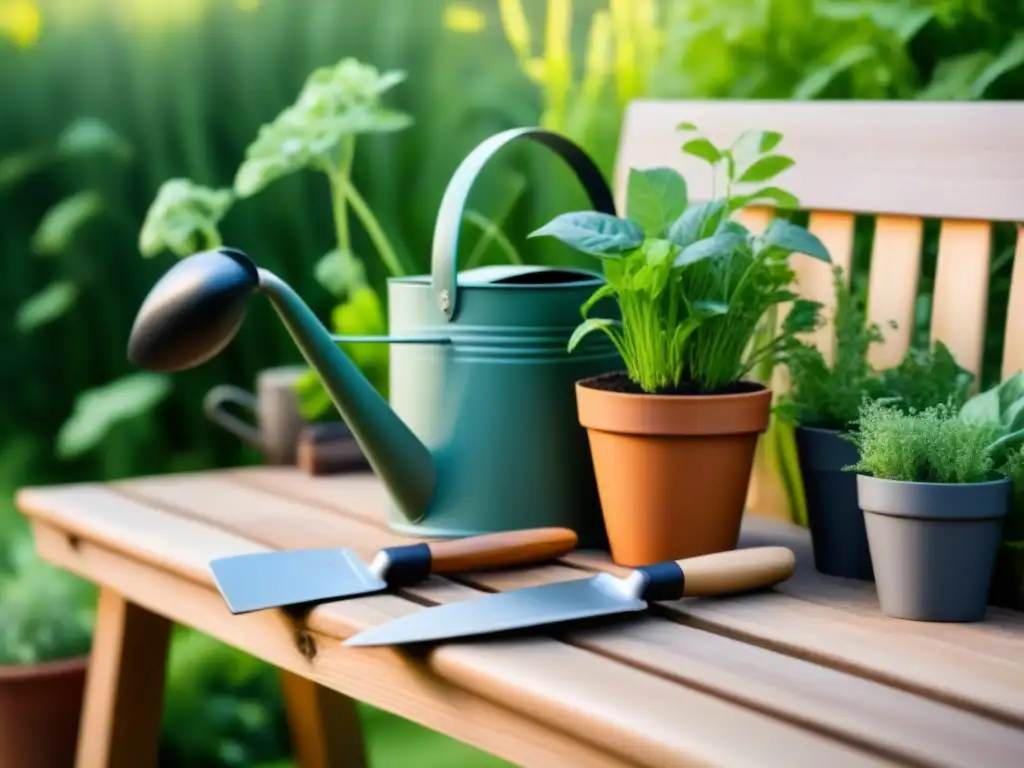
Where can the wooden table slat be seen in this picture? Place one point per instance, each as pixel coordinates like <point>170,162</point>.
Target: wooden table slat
<point>838,702</point>
<point>579,692</point>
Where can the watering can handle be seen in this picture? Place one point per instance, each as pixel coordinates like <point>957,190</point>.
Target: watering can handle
<point>444,259</point>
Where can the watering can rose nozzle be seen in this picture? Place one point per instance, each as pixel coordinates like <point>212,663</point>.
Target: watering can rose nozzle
<point>197,307</point>
<point>194,311</point>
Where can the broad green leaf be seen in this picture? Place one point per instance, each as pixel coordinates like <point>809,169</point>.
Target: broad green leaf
<point>46,305</point>
<point>766,167</point>
<point>340,272</point>
<point>722,244</point>
<point>62,222</point>
<point>791,238</point>
<point>730,225</point>
<point>686,126</point>
<point>14,168</point>
<point>993,404</point>
<point>362,315</point>
<point>697,222</point>
<point>183,218</point>
<point>703,149</point>
<point>603,292</point>
<point>598,234</point>
<point>782,199</point>
<point>655,197</point>
<point>97,410</point>
<point>657,251</point>
<point>90,136</point>
<point>590,325</point>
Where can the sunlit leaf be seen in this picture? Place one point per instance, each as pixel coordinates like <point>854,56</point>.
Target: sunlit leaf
<point>655,197</point>
<point>89,136</point>
<point>766,167</point>
<point>590,325</point>
<point>703,149</point>
<point>822,76</point>
<point>791,238</point>
<point>60,224</point>
<point>598,234</point>
<point>716,246</point>
<point>340,272</point>
<point>183,218</point>
<point>46,306</point>
<point>97,410</point>
<point>697,222</point>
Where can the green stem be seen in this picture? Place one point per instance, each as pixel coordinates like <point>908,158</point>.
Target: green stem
<point>373,227</point>
<point>339,204</point>
<point>491,232</point>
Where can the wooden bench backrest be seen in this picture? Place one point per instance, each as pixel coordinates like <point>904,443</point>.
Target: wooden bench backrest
<point>901,162</point>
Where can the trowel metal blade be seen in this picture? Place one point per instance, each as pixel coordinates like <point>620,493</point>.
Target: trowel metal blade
<point>274,579</point>
<point>534,606</point>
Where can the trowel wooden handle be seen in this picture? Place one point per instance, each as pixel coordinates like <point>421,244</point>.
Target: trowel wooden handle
<point>499,550</point>
<point>738,570</point>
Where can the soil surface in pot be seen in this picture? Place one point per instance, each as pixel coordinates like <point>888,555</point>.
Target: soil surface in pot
<point>619,381</point>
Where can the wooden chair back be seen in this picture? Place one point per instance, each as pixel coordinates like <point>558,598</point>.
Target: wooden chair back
<point>900,163</point>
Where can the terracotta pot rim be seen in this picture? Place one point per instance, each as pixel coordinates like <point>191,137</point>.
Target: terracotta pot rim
<point>55,668</point>
<point>741,413</point>
<point>733,396</point>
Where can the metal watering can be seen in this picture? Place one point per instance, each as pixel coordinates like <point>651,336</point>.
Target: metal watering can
<point>481,434</point>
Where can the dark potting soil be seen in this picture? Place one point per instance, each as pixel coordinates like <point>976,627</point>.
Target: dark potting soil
<point>619,381</point>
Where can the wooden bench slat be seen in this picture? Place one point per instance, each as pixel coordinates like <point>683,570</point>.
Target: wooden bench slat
<point>892,286</point>
<point>845,639</point>
<point>1013,350</point>
<point>960,301</point>
<point>553,682</point>
<point>926,159</point>
<point>814,277</point>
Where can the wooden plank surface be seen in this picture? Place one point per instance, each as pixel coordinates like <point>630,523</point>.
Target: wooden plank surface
<point>927,159</point>
<point>695,652</point>
<point>535,701</point>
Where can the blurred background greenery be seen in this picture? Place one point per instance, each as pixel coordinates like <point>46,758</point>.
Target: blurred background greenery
<point>104,100</point>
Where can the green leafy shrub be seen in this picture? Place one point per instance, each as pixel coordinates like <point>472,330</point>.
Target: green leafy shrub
<point>829,396</point>
<point>46,614</point>
<point>691,283</point>
<point>930,446</point>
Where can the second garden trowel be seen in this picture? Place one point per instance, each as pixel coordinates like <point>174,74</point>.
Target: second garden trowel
<point>722,573</point>
<point>290,577</point>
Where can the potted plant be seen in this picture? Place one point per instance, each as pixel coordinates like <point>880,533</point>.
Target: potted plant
<point>823,402</point>
<point>45,638</point>
<point>673,435</point>
<point>934,491</point>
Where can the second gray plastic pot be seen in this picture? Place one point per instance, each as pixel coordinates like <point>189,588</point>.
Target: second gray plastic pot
<point>835,519</point>
<point>933,545</point>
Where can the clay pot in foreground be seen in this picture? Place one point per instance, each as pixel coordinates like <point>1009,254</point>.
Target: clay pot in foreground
<point>672,470</point>
<point>40,707</point>
<point>834,517</point>
<point>933,545</point>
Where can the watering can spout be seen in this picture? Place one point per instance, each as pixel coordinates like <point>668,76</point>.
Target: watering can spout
<point>196,308</point>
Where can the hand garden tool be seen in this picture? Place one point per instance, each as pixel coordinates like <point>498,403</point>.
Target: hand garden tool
<point>481,433</point>
<point>289,577</point>
<point>722,573</point>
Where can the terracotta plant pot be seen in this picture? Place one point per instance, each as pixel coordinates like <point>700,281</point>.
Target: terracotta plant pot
<point>40,706</point>
<point>672,470</point>
<point>834,517</point>
<point>933,545</point>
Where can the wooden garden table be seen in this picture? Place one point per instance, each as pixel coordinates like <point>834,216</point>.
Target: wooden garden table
<point>808,674</point>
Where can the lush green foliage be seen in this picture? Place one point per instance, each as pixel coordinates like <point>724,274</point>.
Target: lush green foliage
<point>691,283</point>
<point>930,446</point>
<point>830,395</point>
<point>45,613</point>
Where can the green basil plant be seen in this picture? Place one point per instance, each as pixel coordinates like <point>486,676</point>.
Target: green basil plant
<point>692,284</point>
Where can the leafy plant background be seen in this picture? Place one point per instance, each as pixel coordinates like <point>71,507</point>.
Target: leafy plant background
<point>104,100</point>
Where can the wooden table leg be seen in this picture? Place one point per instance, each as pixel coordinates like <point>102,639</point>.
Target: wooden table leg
<point>324,725</point>
<point>124,688</point>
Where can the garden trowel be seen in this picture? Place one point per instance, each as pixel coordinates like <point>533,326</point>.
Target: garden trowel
<point>721,573</point>
<point>289,577</point>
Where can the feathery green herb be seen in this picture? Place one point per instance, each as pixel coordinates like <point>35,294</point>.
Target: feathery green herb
<point>691,283</point>
<point>929,446</point>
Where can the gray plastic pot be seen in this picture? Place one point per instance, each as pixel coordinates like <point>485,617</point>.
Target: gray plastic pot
<point>933,545</point>
<point>837,524</point>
